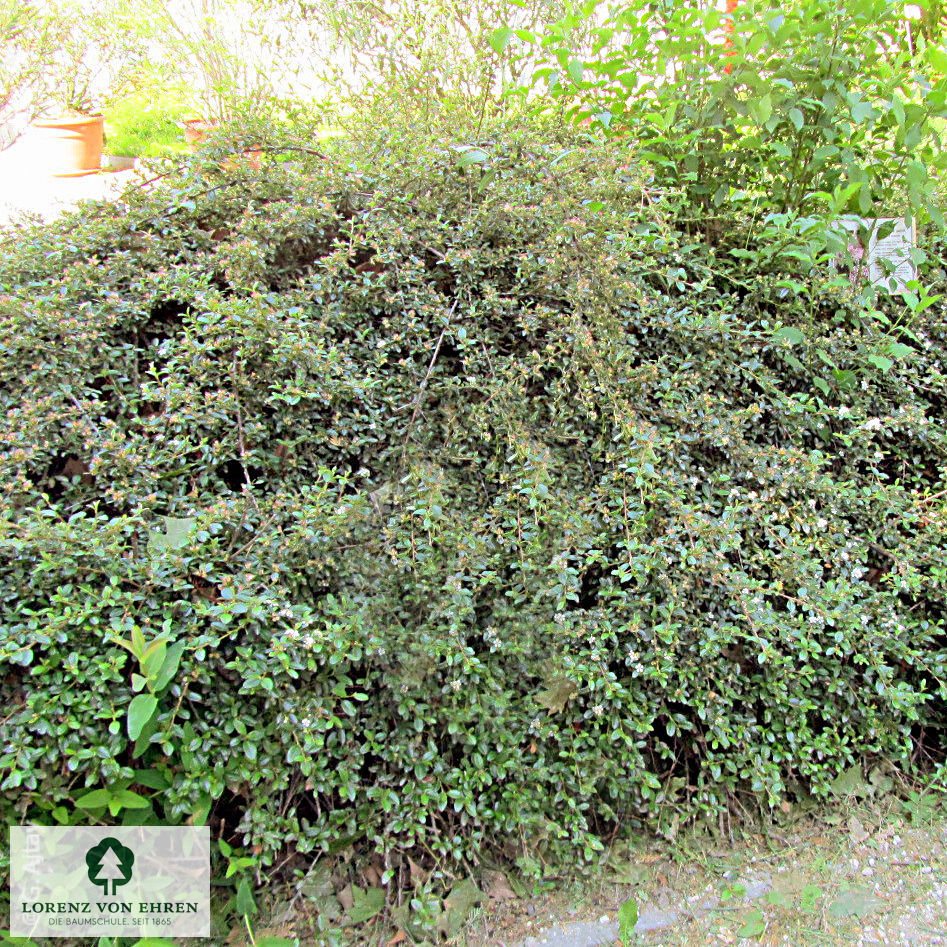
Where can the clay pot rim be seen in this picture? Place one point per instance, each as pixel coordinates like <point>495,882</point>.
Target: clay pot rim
<point>68,121</point>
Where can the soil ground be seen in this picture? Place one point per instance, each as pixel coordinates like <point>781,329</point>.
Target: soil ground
<point>865,874</point>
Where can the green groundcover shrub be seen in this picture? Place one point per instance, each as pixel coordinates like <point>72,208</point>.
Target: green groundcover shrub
<point>451,501</point>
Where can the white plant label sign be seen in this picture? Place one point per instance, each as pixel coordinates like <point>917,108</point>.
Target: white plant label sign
<point>886,262</point>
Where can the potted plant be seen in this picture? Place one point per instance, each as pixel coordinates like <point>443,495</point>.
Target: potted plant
<point>70,143</point>
<point>92,54</point>
<point>229,55</point>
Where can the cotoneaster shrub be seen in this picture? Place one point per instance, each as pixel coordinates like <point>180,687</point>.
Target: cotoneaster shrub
<point>447,501</point>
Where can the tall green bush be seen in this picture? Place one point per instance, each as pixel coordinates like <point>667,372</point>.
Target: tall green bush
<point>452,501</point>
<point>784,110</point>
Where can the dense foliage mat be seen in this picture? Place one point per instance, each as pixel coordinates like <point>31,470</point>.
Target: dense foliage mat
<point>453,501</point>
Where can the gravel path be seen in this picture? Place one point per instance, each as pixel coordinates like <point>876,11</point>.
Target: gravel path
<point>871,881</point>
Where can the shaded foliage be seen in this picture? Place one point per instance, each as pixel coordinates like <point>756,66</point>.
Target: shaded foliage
<point>447,503</point>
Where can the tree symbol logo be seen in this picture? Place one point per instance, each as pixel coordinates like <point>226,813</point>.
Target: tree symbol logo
<point>110,861</point>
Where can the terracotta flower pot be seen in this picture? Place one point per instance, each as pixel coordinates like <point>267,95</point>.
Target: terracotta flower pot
<point>69,146</point>
<point>196,130</point>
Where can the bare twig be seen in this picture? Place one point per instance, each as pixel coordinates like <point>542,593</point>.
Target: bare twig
<point>241,441</point>
<point>422,389</point>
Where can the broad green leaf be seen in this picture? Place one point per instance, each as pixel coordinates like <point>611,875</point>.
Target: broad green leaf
<point>153,658</point>
<point>557,693</point>
<point>463,898</point>
<point>797,118</point>
<point>861,111</point>
<point>575,68</point>
<point>150,778</point>
<point>169,668</point>
<point>470,156</point>
<point>17,941</point>
<point>499,39</point>
<point>880,361</point>
<point>365,904</point>
<point>244,902</point>
<point>97,799</point>
<point>809,897</point>
<point>763,109</point>
<point>140,711</point>
<point>850,782</point>
<point>937,58</point>
<point>126,799</point>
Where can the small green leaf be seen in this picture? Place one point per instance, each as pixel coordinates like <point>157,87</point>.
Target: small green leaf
<point>797,118</point>
<point>880,361</point>
<point>140,711</point>
<point>176,530</point>
<point>754,924</point>
<point>789,334</point>
<point>855,902</point>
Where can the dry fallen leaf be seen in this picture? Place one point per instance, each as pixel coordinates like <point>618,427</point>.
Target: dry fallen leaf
<point>418,874</point>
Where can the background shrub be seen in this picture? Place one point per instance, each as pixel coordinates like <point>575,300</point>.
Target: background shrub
<point>431,501</point>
